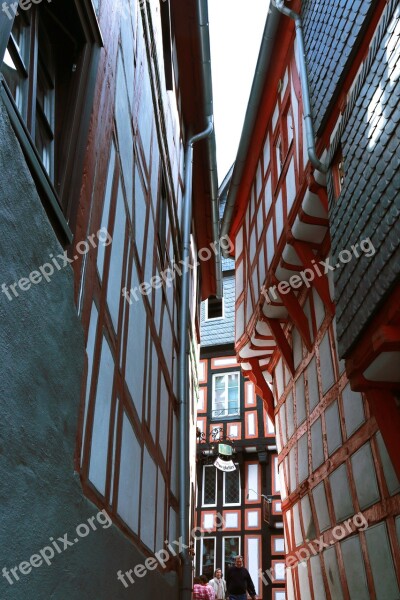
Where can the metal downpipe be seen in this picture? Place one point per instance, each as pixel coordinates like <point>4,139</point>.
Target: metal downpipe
<point>183,388</point>
<point>305,89</point>
<point>202,7</point>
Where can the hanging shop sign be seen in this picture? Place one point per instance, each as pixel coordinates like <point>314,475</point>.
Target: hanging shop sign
<point>224,465</point>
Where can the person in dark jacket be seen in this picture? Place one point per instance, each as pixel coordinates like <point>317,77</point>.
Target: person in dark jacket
<point>238,582</point>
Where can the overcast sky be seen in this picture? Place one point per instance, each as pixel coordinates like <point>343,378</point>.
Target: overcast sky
<point>236,30</point>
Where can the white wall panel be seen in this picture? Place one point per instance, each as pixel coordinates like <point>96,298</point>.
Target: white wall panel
<point>333,431</point>
<point>390,475</point>
<point>317,579</point>
<point>321,507</point>
<point>380,557</point>
<point>89,352</point>
<point>331,566</point>
<point>317,449</point>
<point>101,420</point>
<point>355,569</point>
<point>253,560</point>
<point>148,503</point>
<point>114,285</point>
<point>129,477</point>
<point>365,477</point>
<point>353,410</point>
<point>252,481</point>
<point>340,488</point>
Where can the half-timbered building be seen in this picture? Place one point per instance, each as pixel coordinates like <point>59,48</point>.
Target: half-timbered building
<point>238,511</point>
<point>106,139</point>
<point>313,213</point>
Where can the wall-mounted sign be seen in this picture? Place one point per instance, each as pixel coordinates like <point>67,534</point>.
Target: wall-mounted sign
<point>225,450</point>
<point>224,465</point>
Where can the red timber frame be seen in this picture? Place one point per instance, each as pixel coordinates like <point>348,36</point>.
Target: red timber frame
<point>253,342</point>
<point>262,470</point>
<point>158,415</point>
<point>381,335</point>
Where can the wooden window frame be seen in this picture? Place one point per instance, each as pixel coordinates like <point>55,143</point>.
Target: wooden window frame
<point>207,318</point>
<point>201,551</point>
<point>203,504</point>
<point>213,409</point>
<point>225,537</point>
<point>240,489</point>
<point>60,200</point>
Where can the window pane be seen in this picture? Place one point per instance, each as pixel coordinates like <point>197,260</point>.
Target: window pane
<point>231,550</point>
<point>232,487</point>
<point>208,557</point>
<point>233,394</point>
<point>209,487</point>
<point>15,65</point>
<point>226,395</point>
<point>219,396</point>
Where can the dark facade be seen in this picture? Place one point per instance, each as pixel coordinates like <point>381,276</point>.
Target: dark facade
<point>94,125</point>
<point>317,288</point>
<point>238,512</point>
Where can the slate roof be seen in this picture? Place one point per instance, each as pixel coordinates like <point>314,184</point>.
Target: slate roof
<point>333,29</point>
<point>228,264</point>
<point>220,331</point>
<point>369,204</point>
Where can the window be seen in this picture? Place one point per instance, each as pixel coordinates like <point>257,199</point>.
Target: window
<point>207,557</point>
<point>47,70</point>
<point>230,550</point>
<point>232,487</point>
<point>338,173</point>
<point>209,485</point>
<point>225,398</point>
<point>16,61</point>
<point>214,308</point>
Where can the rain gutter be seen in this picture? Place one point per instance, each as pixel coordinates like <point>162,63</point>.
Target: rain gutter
<point>211,146</point>
<point>305,87</point>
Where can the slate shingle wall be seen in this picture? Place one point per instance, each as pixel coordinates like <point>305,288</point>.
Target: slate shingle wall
<point>221,331</point>
<point>369,204</point>
<point>333,30</point>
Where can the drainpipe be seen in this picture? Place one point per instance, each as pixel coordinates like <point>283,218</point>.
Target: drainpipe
<point>202,7</point>
<point>305,89</point>
<point>184,350</point>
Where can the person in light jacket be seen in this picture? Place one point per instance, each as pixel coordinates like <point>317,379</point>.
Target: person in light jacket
<point>219,585</point>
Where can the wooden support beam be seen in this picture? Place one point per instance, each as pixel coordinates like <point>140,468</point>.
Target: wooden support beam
<point>265,392</point>
<point>282,342</point>
<point>297,315</point>
<point>320,283</point>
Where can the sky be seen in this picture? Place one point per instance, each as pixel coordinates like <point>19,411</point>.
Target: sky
<point>236,30</point>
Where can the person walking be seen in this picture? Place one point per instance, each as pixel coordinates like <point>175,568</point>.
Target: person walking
<point>219,585</point>
<point>201,589</point>
<point>239,582</point>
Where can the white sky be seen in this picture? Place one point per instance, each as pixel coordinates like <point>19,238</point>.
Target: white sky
<point>236,30</point>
